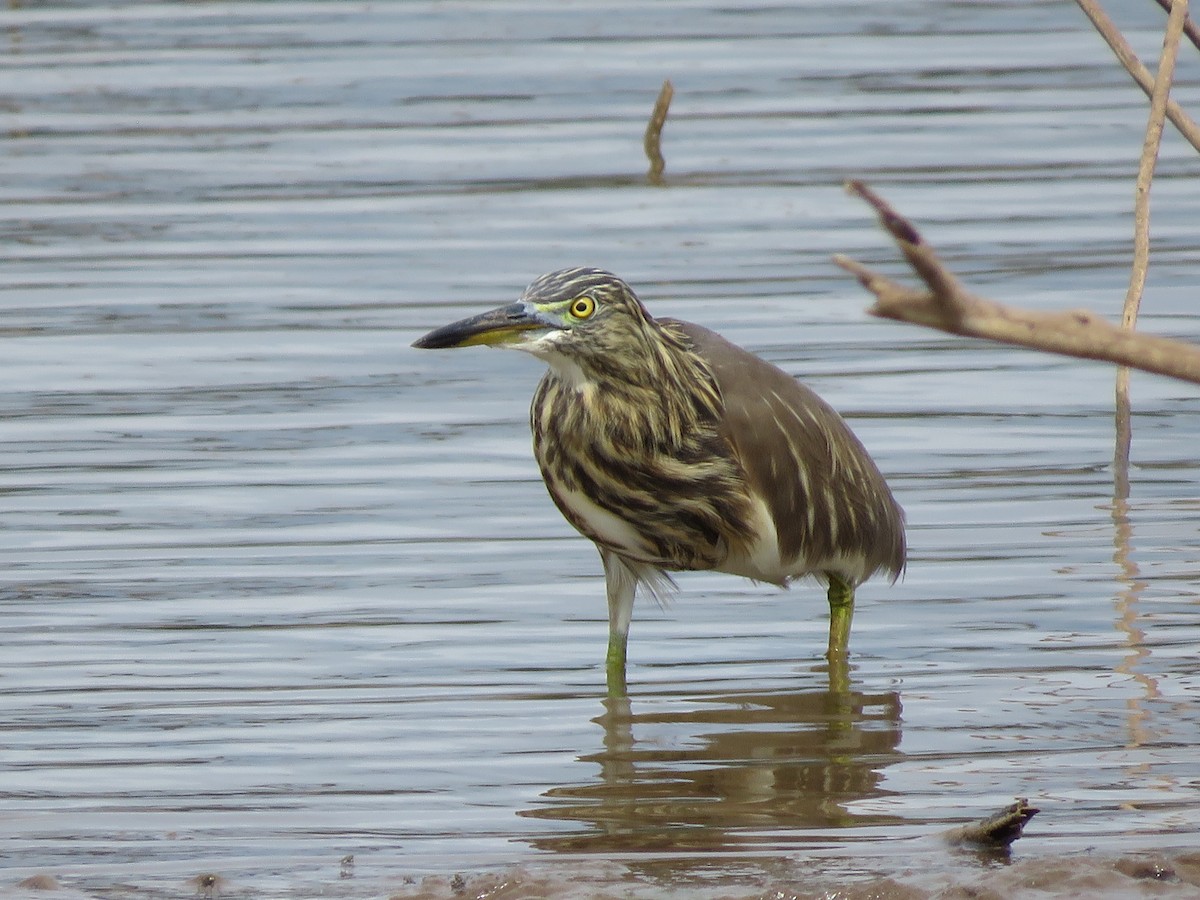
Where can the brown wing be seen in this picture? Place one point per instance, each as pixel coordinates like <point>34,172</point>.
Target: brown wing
<point>824,492</point>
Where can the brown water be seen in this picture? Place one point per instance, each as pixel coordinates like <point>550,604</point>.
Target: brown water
<point>277,589</point>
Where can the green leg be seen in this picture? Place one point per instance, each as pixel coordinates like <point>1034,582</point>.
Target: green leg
<point>841,611</point>
<point>621,584</point>
<point>614,665</point>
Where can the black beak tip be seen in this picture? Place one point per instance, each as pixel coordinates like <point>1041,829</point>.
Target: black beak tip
<point>438,339</point>
<point>485,328</point>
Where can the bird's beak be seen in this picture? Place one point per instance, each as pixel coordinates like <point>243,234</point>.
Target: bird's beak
<point>505,325</point>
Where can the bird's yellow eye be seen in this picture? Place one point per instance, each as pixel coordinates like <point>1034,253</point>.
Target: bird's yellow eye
<point>583,307</point>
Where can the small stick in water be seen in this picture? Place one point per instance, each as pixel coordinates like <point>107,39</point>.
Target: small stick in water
<point>653,139</point>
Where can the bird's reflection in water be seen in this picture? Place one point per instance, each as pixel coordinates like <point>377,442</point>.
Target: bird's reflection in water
<point>683,773</point>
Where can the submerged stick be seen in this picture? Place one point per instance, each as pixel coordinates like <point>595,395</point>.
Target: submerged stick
<point>653,139</point>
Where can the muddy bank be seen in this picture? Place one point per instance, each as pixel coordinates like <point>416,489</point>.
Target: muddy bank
<point>1083,875</point>
<point>980,877</point>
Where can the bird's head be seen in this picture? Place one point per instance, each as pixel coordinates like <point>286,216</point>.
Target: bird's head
<point>583,315</point>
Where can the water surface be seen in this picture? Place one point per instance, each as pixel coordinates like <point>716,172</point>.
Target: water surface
<point>277,588</point>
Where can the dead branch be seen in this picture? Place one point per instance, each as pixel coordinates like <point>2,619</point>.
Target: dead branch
<point>1150,147</point>
<point>1177,22</point>
<point>947,306</point>
<point>1112,35</point>
<point>652,142</point>
<point>1189,27</point>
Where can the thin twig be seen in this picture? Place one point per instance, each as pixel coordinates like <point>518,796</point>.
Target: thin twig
<point>653,139</point>
<point>1189,27</point>
<point>1150,148</point>
<point>1112,35</point>
<point>1076,333</point>
<point>1123,437</point>
<point>1123,406</point>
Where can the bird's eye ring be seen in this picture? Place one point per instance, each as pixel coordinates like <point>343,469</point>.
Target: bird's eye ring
<point>583,307</point>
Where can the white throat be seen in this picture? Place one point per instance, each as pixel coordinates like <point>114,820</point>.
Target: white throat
<point>545,347</point>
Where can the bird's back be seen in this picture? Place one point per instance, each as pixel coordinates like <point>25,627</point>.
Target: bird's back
<point>828,505</point>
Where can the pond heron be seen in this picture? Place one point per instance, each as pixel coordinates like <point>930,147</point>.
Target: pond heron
<point>673,449</point>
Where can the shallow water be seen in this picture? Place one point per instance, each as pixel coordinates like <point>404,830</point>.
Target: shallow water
<point>277,588</point>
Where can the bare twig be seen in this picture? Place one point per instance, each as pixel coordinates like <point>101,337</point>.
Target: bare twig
<point>1189,27</point>
<point>1112,35</point>
<point>653,139</point>
<point>1176,22</point>
<point>1150,146</point>
<point>1123,439</point>
<point>947,306</point>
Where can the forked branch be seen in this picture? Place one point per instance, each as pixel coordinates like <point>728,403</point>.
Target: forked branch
<point>946,305</point>
<point>1134,66</point>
